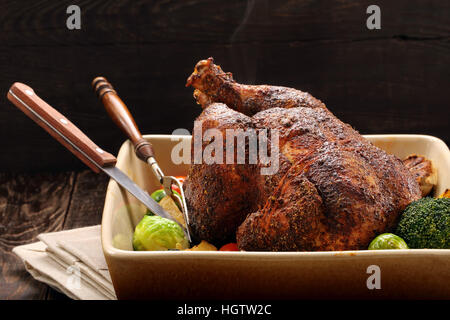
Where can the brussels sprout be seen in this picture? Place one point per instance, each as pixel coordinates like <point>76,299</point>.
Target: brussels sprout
<point>388,241</point>
<point>157,233</point>
<point>158,195</point>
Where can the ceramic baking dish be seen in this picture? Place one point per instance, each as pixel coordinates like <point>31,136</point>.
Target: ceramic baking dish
<point>275,275</point>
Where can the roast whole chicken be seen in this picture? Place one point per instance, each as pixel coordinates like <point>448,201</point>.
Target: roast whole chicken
<point>334,190</point>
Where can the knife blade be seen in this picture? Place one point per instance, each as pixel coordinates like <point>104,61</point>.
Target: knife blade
<point>64,131</point>
<point>120,177</point>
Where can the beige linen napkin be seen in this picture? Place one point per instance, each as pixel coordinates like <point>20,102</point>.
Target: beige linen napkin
<point>71,262</point>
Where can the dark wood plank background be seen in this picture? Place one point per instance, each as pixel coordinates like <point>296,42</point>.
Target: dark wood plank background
<point>31,204</point>
<point>393,80</point>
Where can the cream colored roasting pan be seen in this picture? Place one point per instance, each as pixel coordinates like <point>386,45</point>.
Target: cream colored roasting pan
<point>273,275</point>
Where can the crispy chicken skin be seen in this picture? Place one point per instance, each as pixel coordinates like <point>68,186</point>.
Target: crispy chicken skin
<point>289,220</point>
<point>219,196</point>
<point>214,85</point>
<point>334,189</point>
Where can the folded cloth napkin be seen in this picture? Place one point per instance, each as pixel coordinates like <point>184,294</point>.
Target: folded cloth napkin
<point>71,262</point>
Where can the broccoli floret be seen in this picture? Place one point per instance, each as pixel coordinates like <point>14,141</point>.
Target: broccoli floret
<point>426,224</point>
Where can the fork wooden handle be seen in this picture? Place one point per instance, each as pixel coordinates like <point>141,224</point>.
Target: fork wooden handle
<point>122,117</point>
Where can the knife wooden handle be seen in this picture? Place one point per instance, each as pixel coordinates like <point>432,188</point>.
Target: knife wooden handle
<point>122,117</point>
<point>24,98</point>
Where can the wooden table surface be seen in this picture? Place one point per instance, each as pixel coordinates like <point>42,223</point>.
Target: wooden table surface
<point>390,80</point>
<point>31,204</point>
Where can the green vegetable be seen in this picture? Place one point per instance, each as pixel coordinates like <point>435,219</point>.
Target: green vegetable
<point>157,196</point>
<point>426,224</point>
<point>157,233</point>
<point>387,241</point>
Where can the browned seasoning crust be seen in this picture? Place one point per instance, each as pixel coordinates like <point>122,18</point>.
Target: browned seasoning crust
<point>334,189</point>
<point>210,81</point>
<point>280,225</point>
<point>216,205</point>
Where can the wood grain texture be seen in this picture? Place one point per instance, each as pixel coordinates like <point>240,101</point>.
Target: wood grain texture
<point>129,22</point>
<point>29,205</point>
<point>88,198</point>
<point>392,80</point>
<point>38,203</point>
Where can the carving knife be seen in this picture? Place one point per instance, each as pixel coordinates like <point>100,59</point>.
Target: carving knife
<point>122,117</point>
<point>64,131</point>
